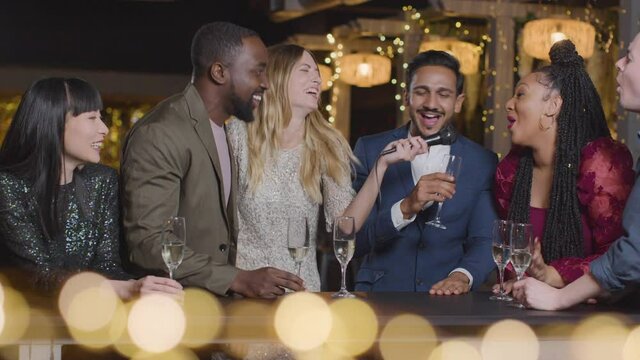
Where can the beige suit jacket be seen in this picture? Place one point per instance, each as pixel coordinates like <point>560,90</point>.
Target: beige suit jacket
<point>170,167</point>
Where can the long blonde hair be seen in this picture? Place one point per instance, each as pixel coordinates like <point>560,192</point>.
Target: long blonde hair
<point>325,150</point>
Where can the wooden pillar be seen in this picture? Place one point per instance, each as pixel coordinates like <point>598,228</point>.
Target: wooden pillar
<point>501,63</point>
<point>628,122</point>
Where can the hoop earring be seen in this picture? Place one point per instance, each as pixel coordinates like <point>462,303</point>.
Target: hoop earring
<point>542,127</point>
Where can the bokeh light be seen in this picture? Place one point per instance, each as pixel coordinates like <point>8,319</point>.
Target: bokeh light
<point>602,336</point>
<point>203,315</point>
<point>354,329</point>
<point>156,323</point>
<point>106,335</point>
<point>16,313</point>
<point>455,350</point>
<point>303,321</point>
<point>178,353</point>
<point>508,337</point>
<point>631,348</point>
<point>407,336</point>
<point>87,302</point>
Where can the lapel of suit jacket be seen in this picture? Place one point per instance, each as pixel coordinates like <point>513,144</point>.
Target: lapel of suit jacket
<point>202,125</point>
<point>403,168</point>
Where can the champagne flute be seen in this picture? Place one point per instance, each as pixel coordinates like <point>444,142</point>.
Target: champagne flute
<point>501,249</point>
<point>174,237</point>
<point>521,250</point>
<point>298,240</point>
<point>451,165</point>
<point>344,245</point>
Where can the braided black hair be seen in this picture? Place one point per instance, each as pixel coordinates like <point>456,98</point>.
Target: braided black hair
<point>581,120</point>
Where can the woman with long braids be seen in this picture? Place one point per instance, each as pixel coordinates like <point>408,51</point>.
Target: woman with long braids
<point>565,174</point>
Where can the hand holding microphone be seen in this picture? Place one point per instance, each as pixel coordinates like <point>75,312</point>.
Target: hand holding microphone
<point>446,136</point>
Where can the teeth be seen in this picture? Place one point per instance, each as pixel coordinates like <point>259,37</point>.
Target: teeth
<point>97,145</point>
<point>257,98</point>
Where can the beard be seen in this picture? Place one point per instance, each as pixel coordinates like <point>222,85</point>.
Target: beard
<point>241,109</point>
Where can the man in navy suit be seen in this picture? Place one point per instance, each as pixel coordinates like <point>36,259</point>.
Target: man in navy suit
<point>401,252</point>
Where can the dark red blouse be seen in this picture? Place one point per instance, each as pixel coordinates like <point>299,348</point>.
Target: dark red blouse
<point>604,182</point>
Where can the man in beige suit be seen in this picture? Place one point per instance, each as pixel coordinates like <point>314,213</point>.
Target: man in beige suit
<point>176,162</point>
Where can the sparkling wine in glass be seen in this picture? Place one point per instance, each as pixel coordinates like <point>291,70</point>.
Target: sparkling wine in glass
<point>521,249</point>
<point>174,238</point>
<point>451,165</point>
<point>298,240</point>
<point>501,249</point>
<point>344,245</point>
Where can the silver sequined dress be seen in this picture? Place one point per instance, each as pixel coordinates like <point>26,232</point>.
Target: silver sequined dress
<point>91,228</point>
<point>262,236</point>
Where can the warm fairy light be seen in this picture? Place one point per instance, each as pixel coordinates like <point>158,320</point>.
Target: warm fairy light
<point>455,350</point>
<point>303,321</point>
<point>354,329</point>
<point>156,323</point>
<point>557,36</point>
<point>203,314</point>
<point>508,337</point>
<point>87,301</point>
<point>600,336</point>
<point>407,336</point>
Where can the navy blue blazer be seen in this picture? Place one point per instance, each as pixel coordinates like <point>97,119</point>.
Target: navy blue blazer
<point>419,255</point>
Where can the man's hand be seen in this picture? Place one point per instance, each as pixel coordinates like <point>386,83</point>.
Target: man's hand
<point>431,187</point>
<point>455,284</point>
<point>267,283</point>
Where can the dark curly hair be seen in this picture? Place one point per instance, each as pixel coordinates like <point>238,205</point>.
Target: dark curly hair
<point>581,120</point>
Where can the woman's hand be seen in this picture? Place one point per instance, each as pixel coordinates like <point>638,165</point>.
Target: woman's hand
<point>540,270</point>
<point>508,285</point>
<point>406,150</point>
<point>538,295</point>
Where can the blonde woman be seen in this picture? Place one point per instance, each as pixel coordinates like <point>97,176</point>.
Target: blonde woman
<point>292,162</point>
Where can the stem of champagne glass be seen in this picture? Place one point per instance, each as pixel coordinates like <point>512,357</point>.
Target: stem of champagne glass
<point>170,273</point>
<point>501,274</point>
<point>438,212</point>
<point>299,265</point>
<point>343,269</point>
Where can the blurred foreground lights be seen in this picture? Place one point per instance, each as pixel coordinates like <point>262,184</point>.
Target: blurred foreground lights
<point>407,337</point>
<point>87,302</point>
<point>631,348</point>
<point>156,323</point>
<point>178,353</point>
<point>303,321</point>
<point>203,317</point>
<point>508,337</point>
<point>15,316</point>
<point>599,337</point>
<point>354,329</point>
<point>454,350</point>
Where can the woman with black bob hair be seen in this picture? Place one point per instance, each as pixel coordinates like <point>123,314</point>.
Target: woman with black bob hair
<point>565,175</point>
<point>59,208</point>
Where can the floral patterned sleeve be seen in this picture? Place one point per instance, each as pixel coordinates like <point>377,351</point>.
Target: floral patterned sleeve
<point>603,186</point>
